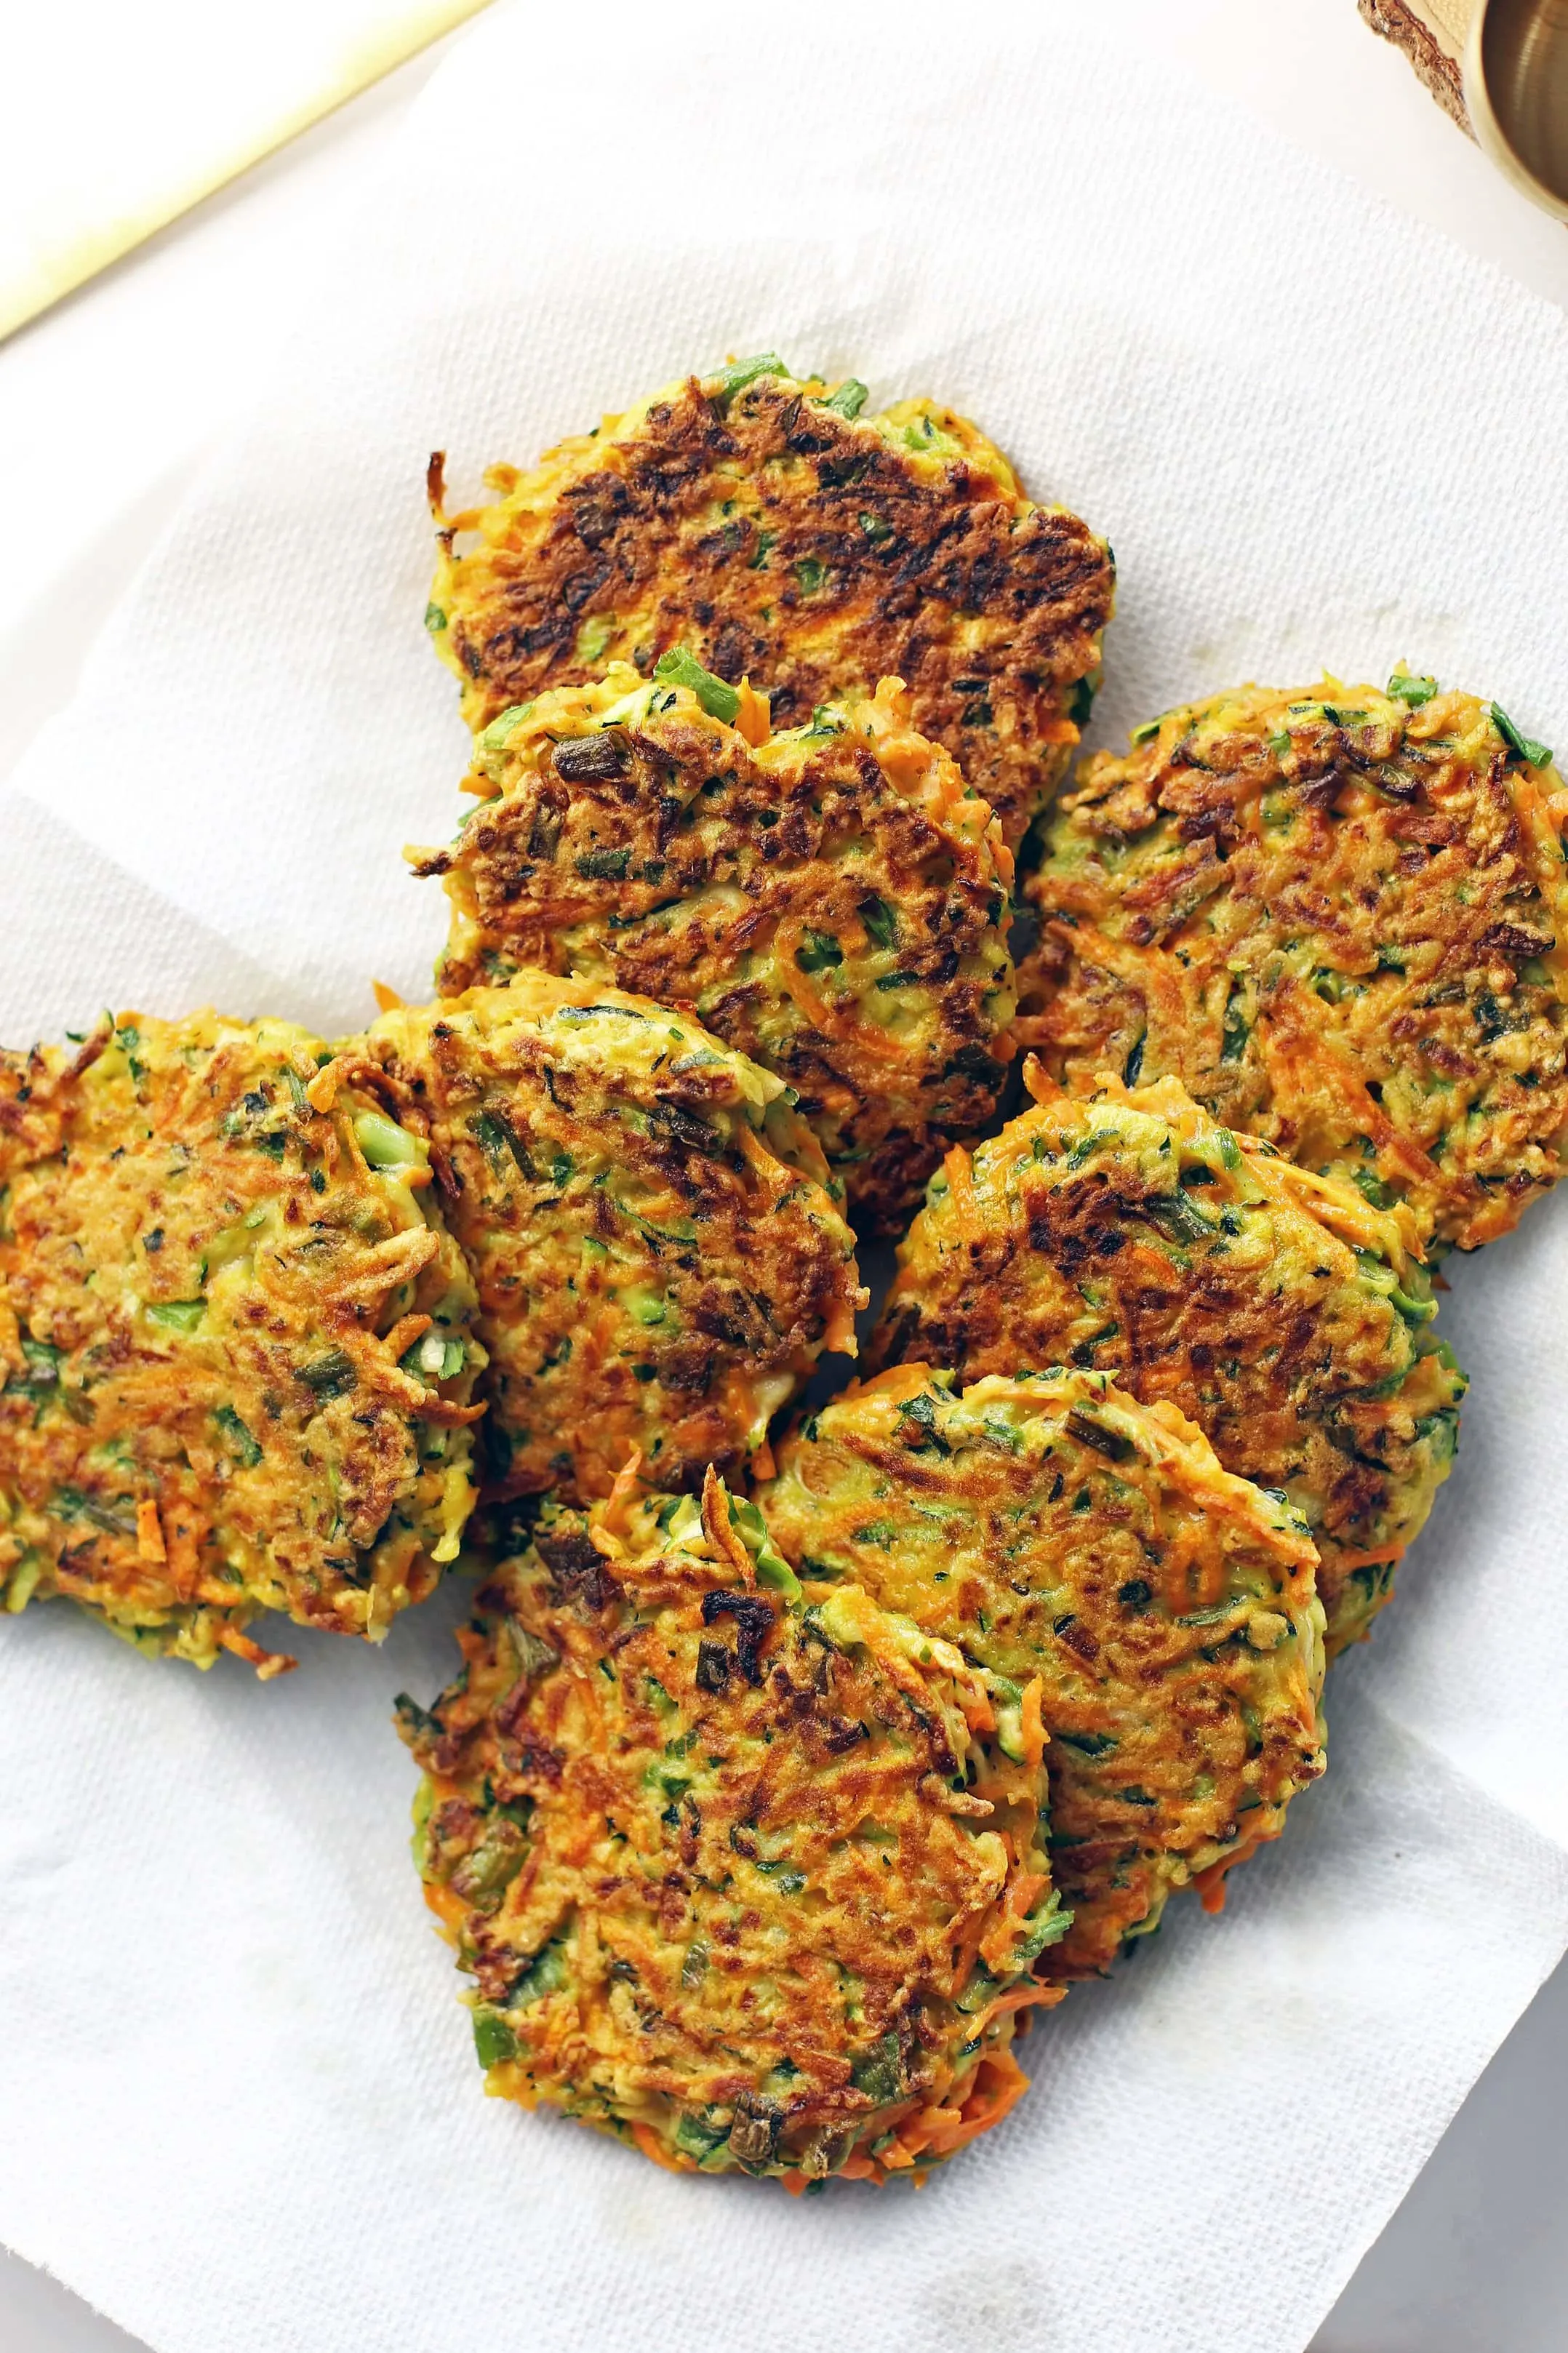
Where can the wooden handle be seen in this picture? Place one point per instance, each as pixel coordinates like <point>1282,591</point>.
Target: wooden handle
<point>1432,34</point>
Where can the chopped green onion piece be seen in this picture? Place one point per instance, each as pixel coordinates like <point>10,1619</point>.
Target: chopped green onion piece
<point>435,620</point>
<point>816,951</point>
<point>740,372</point>
<point>384,1144</point>
<point>679,667</point>
<point>594,636</point>
<point>244,1444</point>
<point>438,1357</point>
<point>849,399</point>
<point>330,1376</point>
<point>881,924</point>
<point>1047,1926</point>
<point>603,865</point>
<point>493,2038</point>
<point>773,1569</point>
<point>176,1314</point>
<point>1524,747</point>
<point>502,728</point>
<point>1147,733</point>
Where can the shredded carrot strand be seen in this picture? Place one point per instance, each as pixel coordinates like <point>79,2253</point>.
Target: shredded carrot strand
<point>613,1516</point>
<point>1388,1552</point>
<point>959,1170</point>
<point>267,1663</point>
<point>655,2146</point>
<point>1210,1883</point>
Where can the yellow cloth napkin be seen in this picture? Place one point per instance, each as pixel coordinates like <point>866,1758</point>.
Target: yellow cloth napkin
<point>115,119</point>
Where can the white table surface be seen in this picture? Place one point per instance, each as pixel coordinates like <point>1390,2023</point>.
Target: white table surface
<point>108,405</point>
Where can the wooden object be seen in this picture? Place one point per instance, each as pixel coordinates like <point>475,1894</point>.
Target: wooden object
<point>1432,34</point>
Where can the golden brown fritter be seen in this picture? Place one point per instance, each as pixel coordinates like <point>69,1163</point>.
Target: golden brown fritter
<point>832,902</point>
<point>740,1875</point>
<point>1156,1616</point>
<point>235,1340</point>
<point>1278,1309</point>
<point>658,1263</point>
<point>766,523</point>
<point>1340,918</point>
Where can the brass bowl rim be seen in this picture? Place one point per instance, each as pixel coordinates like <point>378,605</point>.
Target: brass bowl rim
<point>1489,133</point>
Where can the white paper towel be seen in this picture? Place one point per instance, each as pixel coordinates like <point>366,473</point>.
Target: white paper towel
<point>241,2109</point>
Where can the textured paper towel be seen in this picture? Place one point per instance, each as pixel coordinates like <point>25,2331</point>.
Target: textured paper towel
<point>242,2109</point>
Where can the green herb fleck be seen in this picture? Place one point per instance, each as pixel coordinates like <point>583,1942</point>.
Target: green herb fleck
<point>881,921</point>
<point>880,2075</point>
<point>1373,1189</point>
<point>818,951</point>
<point>244,1444</point>
<point>1233,1037</point>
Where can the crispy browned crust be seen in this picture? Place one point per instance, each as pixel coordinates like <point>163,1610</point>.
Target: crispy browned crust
<point>670,859</point>
<point>1342,923</point>
<point>989,608</point>
<point>1128,1233</point>
<point>734,1886</point>
<point>651,1275</point>
<point>1435,65</point>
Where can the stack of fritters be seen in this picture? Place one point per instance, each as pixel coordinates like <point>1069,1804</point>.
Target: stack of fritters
<point>1339,917</point>
<point>767,525</point>
<point>1156,1617</point>
<point>763,1823</point>
<point>1280,1311</point>
<point>743,1869</point>
<point>1334,917</point>
<point>834,901</point>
